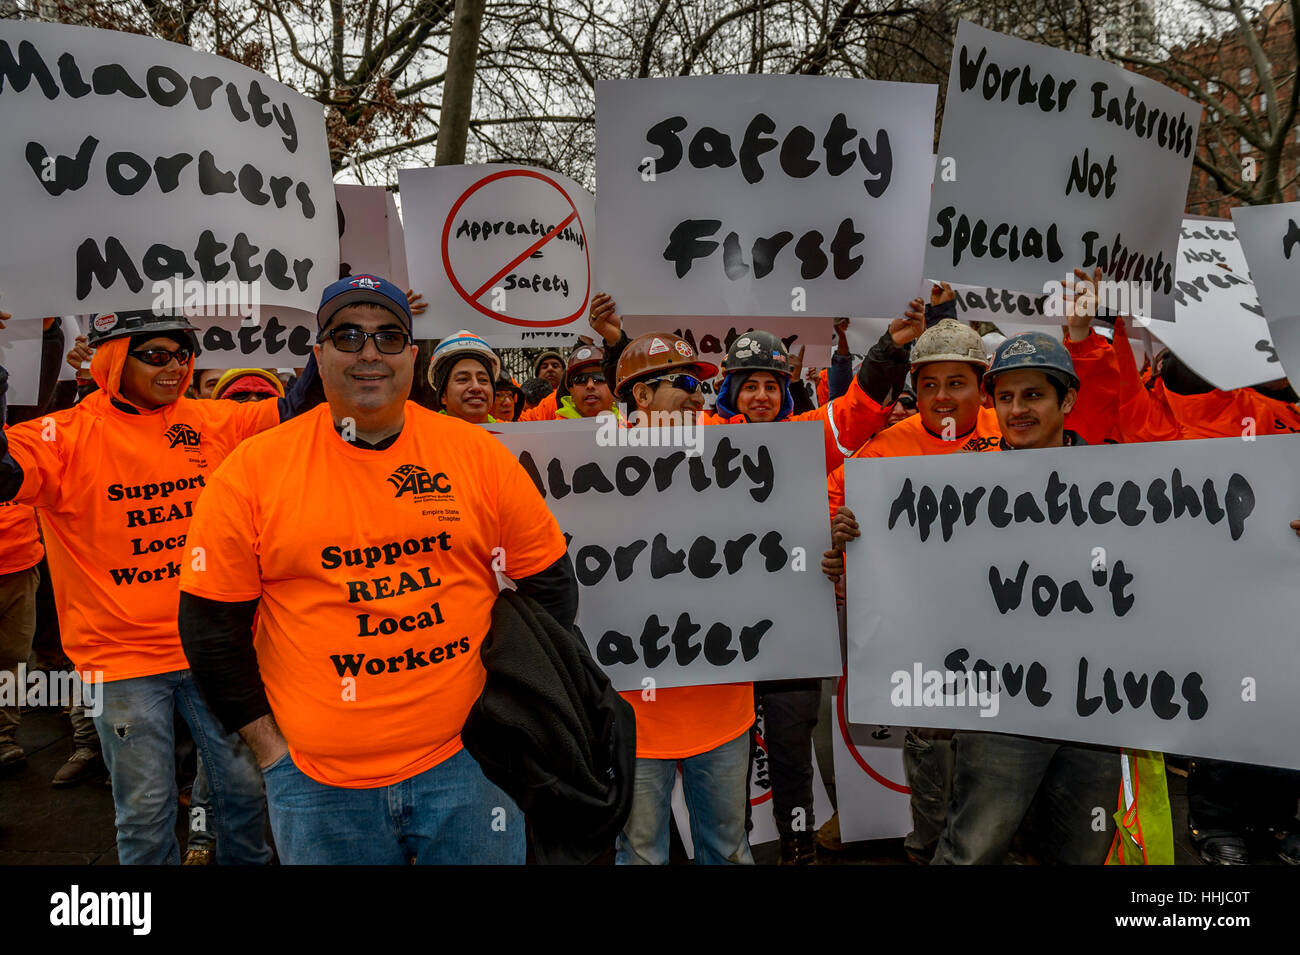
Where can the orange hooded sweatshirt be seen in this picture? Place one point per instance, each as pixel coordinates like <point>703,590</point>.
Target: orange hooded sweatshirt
<point>1159,414</point>
<point>116,486</point>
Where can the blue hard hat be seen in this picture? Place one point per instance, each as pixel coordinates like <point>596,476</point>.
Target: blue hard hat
<point>1035,351</point>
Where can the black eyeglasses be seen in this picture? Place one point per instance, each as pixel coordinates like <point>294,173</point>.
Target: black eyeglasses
<point>686,383</point>
<point>583,379</point>
<point>907,401</point>
<point>161,357</point>
<point>354,340</point>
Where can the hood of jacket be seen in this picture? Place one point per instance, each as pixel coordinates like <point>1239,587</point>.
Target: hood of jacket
<point>106,368</point>
<point>730,392</point>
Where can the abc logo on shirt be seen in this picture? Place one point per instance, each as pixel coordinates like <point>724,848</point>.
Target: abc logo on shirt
<point>183,435</point>
<point>418,482</point>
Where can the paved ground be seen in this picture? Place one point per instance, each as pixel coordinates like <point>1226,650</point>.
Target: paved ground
<point>40,825</point>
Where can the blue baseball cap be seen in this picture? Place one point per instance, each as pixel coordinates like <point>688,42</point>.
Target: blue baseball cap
<point>363,288</point>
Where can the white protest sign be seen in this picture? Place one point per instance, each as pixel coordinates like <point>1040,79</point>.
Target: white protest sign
<point>396,245</point>
<point>1270,239</point>
<point>761,804</point>
<point>711,336</point>
<point>871,793</point>
<point>696,557</point>
<point>497,249</point>
<point>1220,333</point>
<point>282,339</point>
<point>1082,580</point>
<point>762,195</point>
<point>363,231</point>
<point>131,161</point>
<point>1049,161</point>
<point>20,355</point>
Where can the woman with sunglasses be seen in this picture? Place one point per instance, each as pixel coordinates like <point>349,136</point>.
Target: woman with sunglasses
<point>116,478</point>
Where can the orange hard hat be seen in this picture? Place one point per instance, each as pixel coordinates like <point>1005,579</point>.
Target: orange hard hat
<point>650,355</point>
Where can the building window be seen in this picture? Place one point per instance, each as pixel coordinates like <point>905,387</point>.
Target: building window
<point>1243,78</point>
<point>1245,146</point>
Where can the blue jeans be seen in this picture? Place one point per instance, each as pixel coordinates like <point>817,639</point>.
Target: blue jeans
<point>716,784</point>
<point>448,815</point>
<point>998,777</point>
<point>136,732</point>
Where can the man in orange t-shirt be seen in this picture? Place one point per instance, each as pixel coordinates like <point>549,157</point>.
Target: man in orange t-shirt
<point>115,479</point>
<point>705,728</point>
<point>350,573</point>
<point>946,361</point>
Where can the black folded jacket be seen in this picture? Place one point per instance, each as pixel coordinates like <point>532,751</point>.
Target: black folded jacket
<point>550,730</point>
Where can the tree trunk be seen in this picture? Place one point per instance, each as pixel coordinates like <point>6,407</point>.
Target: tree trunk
<point>458,87</point>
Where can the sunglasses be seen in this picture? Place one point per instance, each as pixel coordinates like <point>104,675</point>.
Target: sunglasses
<point>353,340</point>
<point>583,379</point>
<point>161,357</point>
<point>687,383</point>
<point>907,401</point>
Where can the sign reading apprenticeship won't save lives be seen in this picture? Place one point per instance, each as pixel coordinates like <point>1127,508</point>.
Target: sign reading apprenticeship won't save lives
<point>762,195</point>
<point>129,161</point>
<point>698,561</point>
<point>1138,595</point>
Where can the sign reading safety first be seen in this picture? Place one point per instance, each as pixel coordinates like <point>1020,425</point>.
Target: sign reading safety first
<point>503,250</point>
<point>762,195</point>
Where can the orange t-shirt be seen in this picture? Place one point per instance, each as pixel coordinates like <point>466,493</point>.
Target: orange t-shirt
<point>688,720</point>
<point>116,491</point>
<point>22,548</point>
<point>375,571</point>
<point>910,437</point>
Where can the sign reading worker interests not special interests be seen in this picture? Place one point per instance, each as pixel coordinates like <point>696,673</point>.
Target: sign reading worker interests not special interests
<point>762,195</point>
<point>1079,584</point>
<point>696,552</point>
<point>497,249</point>
<point>1049,161</point>
<point>130,161</point>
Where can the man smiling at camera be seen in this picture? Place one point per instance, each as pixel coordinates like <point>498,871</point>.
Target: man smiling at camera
<point>364,542</point>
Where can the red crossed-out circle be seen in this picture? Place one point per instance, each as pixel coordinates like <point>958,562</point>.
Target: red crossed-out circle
<point>762,744</point>
<point>473,298</point>
<point>848,740</point>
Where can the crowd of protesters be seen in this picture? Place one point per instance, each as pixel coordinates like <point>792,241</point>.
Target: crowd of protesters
<point>201,538</point>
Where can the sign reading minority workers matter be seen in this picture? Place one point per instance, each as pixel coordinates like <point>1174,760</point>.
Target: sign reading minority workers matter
<point>1070,593</point>
<point>762,195</point>
<point>283,337</point>
<point>1221,332</point>
<point>696,549</point>
<point>131,162</point>
<point>1051,160</point>
<point>497,249</point>
<point>1270,239</point>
